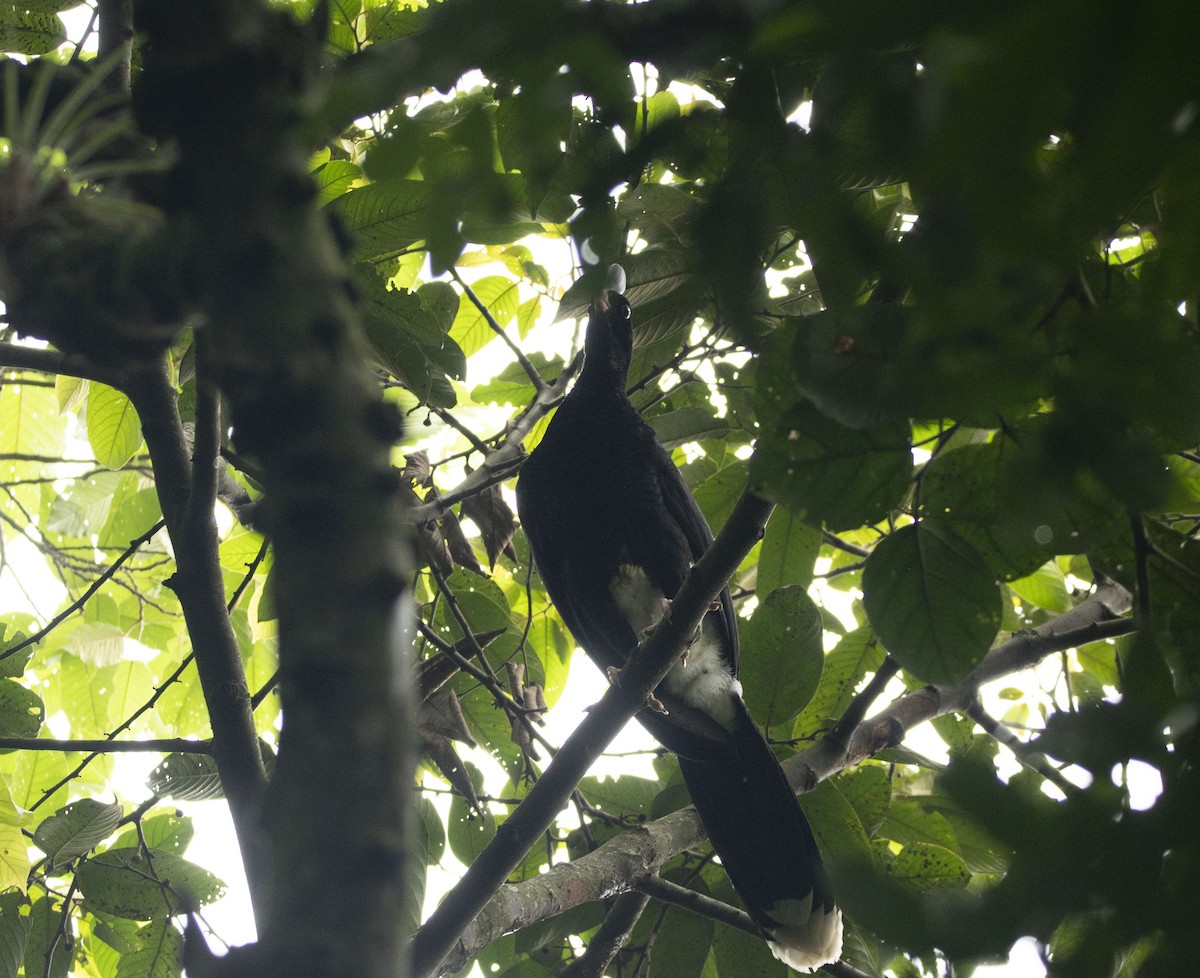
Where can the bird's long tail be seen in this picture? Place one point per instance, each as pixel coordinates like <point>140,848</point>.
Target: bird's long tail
<point>767,848</point>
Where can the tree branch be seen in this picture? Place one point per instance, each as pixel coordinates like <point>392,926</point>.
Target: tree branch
<point>530,370</point>
<point>48,361</point>
<point>1097,617</point>
<point>697,903</point>
<point>116,38</point>
<point>79,602</point>
<point>609,938</point>
<point>170,745</point>
<point>645,669</point>
<point>502,463</point>
<point>642,850</point>
<point>200,587</point>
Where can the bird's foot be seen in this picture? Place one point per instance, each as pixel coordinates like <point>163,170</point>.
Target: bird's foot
<point>652,701</point>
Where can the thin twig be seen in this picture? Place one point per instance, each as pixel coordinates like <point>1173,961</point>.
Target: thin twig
<point>79,602</point>
<point>530,370</point>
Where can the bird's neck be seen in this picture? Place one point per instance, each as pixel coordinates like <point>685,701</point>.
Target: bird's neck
<point>603,378</point>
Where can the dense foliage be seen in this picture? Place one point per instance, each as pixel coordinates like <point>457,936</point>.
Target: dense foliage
<point>923,275</point>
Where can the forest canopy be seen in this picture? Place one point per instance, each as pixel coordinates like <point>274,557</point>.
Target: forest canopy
<point>290,291</point>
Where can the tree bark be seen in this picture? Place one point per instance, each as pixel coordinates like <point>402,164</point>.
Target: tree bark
<point>226,81</point>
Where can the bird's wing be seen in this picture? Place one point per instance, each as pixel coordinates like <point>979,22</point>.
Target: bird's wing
<point>581,597</point>
<point>684,512</point>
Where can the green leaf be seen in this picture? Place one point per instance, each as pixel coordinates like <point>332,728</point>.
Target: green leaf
<point>839,832</point>
<point>966,488</point>
<point>140,885</point>
<point>70,391</point>
<point>471,330</point>
<point>823,471</point>
<point>114,430</point>
<point>76,829</point>
<point>911,820</point>
<point>468,831</point>
<point>621,797</point>
<point>21,711</point>
<point>97,643</point>
<point>928,868</point>
<point>186,777</point>
<point>868,790</point>
<point>14,932</point>
<point>47,955</point>
<point>15,629</point>
<point>33,775</point>
<point>14,854</point>
<point>334,179</point>
<point>27,31</point>
<point>687,424</point>
<point>649,275</point>
<point>663,213</point>
<point>1045,588</point>
<point>132,513</point>
<point>158,954</point>
<point>739,953</point>
<point>719,493</point>
<point>406,332</point>
<point>512,385</point>
<point>789,550</point>
<point>684,939</point>
<point>29,422</point>
<point>781,655</point>
<point>857,654</point>
<point>47,6</point>
<point>384,219</point>
<point>164,830</point>
<point>932,600</point>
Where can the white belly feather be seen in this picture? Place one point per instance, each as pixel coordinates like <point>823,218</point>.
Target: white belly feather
<point>701,678</point>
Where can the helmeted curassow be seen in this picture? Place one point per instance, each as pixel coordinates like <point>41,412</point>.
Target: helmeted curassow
<point>614,530</point>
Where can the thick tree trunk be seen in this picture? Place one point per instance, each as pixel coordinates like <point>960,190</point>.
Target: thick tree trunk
<point>225,81</point>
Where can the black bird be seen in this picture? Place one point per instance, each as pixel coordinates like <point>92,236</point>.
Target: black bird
<point>614,530</point>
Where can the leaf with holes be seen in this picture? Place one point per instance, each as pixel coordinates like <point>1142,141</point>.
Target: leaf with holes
<point>146,885</point>
<point>21,711</point>
<point>928,868</point>
<point>186,777</point>
<point>932,600</point>
<point>158,954</point>
<point>27,31</point>
<point>76,829</point>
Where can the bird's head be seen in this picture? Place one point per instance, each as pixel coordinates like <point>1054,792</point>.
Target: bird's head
<point>609,341</point>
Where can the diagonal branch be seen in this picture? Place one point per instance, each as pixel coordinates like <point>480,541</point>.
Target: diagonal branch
<point>502,463</point>
<point>530,370</point>
<point>79,602</point>
<point>628,857</point>
<point>645,669</point>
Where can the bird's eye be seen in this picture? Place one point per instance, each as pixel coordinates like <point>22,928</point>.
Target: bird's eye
<point>626,311</point>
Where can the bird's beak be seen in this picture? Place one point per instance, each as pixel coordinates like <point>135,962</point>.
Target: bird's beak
<point>601,304</point>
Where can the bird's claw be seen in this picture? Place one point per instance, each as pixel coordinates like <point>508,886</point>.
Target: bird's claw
<point>652,701</point>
